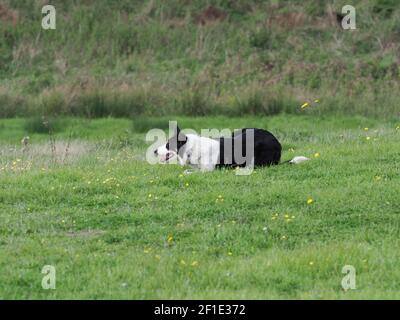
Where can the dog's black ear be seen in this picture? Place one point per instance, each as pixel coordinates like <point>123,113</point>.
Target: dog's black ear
<point>181,136</point>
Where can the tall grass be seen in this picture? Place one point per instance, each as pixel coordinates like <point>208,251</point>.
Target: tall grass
<point>156,58</point>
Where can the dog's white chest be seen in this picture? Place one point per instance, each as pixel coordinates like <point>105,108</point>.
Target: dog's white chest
<point>201,152</point>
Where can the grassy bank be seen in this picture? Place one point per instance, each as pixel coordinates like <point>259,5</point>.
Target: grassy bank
<point>116,227</point>
<point>233,58</point>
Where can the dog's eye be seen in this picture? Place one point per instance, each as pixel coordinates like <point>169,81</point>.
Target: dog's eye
<point>167,146</point>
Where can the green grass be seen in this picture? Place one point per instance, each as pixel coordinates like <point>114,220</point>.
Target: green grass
<point>92,216</point>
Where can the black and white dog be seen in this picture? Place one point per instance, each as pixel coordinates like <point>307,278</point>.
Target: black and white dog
<point>249,147</point>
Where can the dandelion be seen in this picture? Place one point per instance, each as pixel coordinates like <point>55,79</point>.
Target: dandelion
<point>150,195</point>
<point>398,128</point>
<point>316,100</point>
<point>310,200</point>
<point>230,253</point>
<point>283,237</point>
<point>368,138</point>
<point>187,184</point>
<point>170,239</point>
<point>311,263</point>
<point>316,155</point>
<point>195,263</point>
<point>377,178</point>
<point>181,175</point>
<point>304,105</point>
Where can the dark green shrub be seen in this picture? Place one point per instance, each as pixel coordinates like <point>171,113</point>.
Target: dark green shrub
<point>144,124</point>
<point>45,124</point>
<point>12,106</point>
<point>385,7</point>
<point>195,103</point>
<point>263,103</point>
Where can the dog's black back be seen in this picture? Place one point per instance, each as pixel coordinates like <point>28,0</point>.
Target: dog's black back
<point>267,149</point>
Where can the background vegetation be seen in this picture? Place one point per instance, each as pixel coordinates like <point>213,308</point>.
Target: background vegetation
<point>130,57</point>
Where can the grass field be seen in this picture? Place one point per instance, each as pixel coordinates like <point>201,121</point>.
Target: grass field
<point>116,227</point>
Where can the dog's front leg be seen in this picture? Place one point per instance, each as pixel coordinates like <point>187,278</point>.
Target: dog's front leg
<point>207,167</point>
<point>182,161</point>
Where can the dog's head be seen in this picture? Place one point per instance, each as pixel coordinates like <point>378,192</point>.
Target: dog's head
<point>171,149</point>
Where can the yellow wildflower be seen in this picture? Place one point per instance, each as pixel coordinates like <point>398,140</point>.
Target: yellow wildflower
<point>304,105</point>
